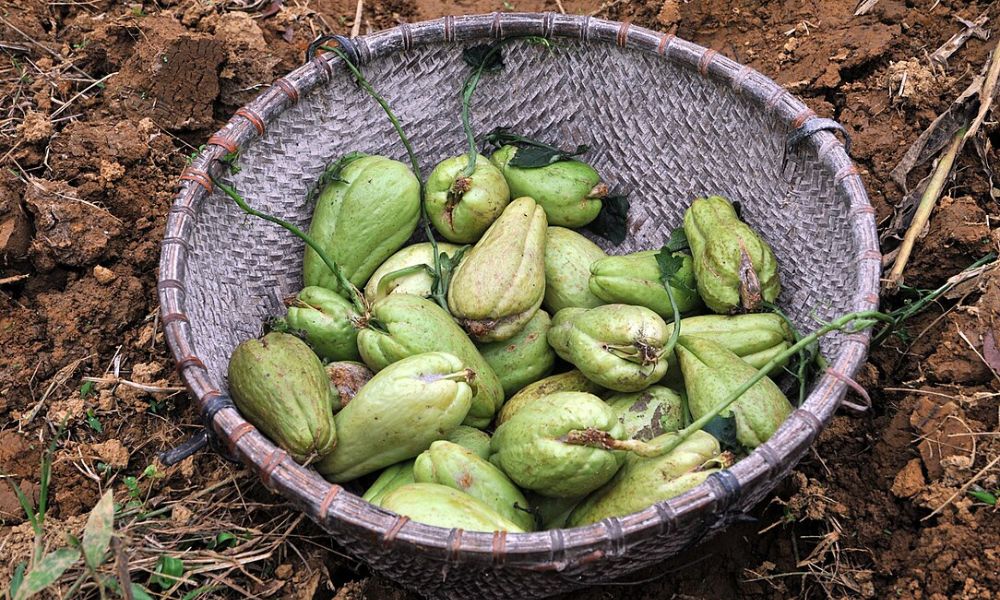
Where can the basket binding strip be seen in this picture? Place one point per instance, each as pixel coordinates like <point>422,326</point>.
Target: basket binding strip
<point>820,182</point>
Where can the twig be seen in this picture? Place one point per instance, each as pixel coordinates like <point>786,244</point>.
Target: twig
<point>964,487</point>
<point>560,5</point>
<point>927,203</point>
<point>986,94</point>
<point>14,279</point>
<point>152,389</point>
<point>59,110</point>
<point>970,29</point>
<point>356,27</point>
<point>864,6</point>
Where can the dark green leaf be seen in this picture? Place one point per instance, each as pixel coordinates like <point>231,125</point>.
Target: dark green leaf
<point>225,540</point>
<point>140,593</point>
<point>533,157</point>
<point>333,172</point>
<point>738,208</point>
<point>486,56</point>
<point>94,422</point>
<point>86,389</point>
<point>15,581</point>
<point>168,571</point>
<point>678,241</point>
<point>670,264</point>
<point>97,532</point>
<point>612,222</point>
<point>984,496</point>
<point>46,572</point>
<point>724,430</point>
<point>205,589</point>
<point>25,503</point>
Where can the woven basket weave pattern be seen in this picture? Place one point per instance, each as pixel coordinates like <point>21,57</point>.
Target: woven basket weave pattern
<point>667,121</point>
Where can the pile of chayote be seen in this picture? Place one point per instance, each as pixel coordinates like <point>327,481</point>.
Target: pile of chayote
<point>463,388</point>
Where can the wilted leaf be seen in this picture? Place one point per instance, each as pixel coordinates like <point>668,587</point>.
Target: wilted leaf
<point>724,430</point>
<point>46,572</point>
<point>670,263</point>
<point>333,171</point>
<point>533,157</point>
<point>486,55</point>
<point>97,533</point>
<point>612,222</point>
<point>678,241</point>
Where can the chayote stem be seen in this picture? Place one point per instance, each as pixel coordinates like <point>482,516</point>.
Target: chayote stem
<point>356,298</point>
<point>383,284</point>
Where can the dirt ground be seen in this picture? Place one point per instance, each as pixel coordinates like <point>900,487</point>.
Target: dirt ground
<point>100,103</point>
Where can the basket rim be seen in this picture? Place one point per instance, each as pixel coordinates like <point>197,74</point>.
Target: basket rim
<point>552,550</point>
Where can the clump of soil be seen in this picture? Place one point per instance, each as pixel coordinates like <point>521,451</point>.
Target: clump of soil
<point>103,103</point>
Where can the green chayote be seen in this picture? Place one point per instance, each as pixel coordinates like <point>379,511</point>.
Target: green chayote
<point>439,505</point>
<point>529,447</point>
<point>735,268</point>
<point>392,477</point>
<point>461,207</point>
<point>618,346</point>
<point>279,385</point>
<point>347,377</point>
<point>326,321</point>
<point>405,276</point>
<point>409,325</point>
<point>362,219</point>
<point>449,464</point>
<point>635,279</point>
<point>571,381</point>
<point>650,413</point>
<point>642,482</point>
<point>568,260</point>
<point>501,281</point>
<point>570,191</point>
<point>398,414</point>
<point>524,358</point>
<point>712,373</point>
<point>470,438</point>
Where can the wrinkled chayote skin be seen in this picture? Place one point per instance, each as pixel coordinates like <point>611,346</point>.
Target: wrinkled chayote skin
<point>361,221</point>
<point>392,477</point>
<point>570,191</point>
<point>439,505</point>
<point>398,414</point>
<point>414,325</point>
<point>470,438</point>
<point>529,447</point>
<point>347,377</point>
<point>325,320</point>
<point>279,385</point>
<point>643,482</point>
<point>551,513</point>
<point>635,279</point>
<point>568,260</point>
<point>617,346</point>
<point>460,207</point>
<point>501,281</point>
<point>449,464</point>
<point>650,413</point>
<point>417,283</point>
<point>524,358</point>
<point>571,381</point>
<point>735,268</point>
<point>712,373</point>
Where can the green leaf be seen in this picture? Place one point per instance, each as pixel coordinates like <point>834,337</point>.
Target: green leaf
<point>612,222</point>
<point>333,172</point>
<point>205,589</point>
<point>225,540</point>
<point>678,241</point>
<point>670,264</point>
<point>724,430</point>
<point>25,503</point>
<point>140,593</point>
<point>97,532</point>
<point>984,496</point>
<point>46,572</point>
<point>486,56</point>
<point>168,571</point>
<point>18,578</point>
<point>86,389</point>
<point>94,422</point>
<point>533,157</point>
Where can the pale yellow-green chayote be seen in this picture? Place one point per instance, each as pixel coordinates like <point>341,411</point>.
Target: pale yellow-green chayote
<point>362,220</point>
<point>530,446</point>
<point>570,381</point>
<point>500,283</point>
<point>524,358</point>
<point>461,207</point>
<point>642,482</point>
<point>326,321</point>
<point>650,413</point>
<point>735,268</point>
<point>568,260</point>
<point>417,282</point>
<point>712,373</point>
<point>398,414</point>
<point>280,386</point>
<point>442,506</point>
<point>635,279</point>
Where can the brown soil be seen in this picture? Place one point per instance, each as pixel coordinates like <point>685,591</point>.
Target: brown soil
<point>100,103</point>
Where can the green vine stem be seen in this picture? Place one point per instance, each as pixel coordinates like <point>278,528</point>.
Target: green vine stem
<point>359,302</point>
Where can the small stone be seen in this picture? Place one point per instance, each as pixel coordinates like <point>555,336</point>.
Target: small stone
<point>103,275</point>
<point>909,481</point>
<point>113,453</point>
<point>283,571</point>
<point>180,514</point>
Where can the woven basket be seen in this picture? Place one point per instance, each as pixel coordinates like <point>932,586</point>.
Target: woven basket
<point>666,120</point>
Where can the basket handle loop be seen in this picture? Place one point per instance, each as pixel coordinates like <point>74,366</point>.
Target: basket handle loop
<point>204,437</point>
<point>345,43</point>
<point>812,126</point>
